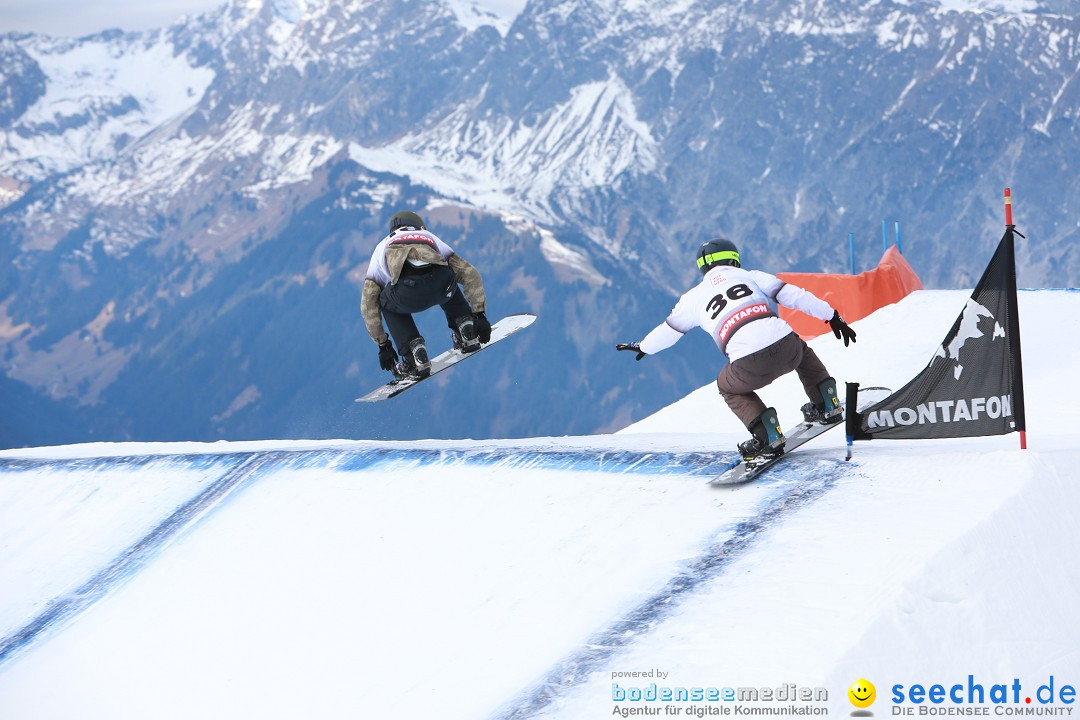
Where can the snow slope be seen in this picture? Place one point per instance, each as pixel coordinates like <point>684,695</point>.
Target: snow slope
<point>513,578</point>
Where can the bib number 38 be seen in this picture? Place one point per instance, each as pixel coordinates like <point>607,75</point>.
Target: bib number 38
<point>720,301</point>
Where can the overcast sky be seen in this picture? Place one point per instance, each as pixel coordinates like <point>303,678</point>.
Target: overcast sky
<point>83,17</point>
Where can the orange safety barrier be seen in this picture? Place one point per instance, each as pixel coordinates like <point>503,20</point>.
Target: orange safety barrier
<point>855,296</point>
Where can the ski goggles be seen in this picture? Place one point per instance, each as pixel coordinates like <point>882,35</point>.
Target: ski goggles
<point>717,257</point>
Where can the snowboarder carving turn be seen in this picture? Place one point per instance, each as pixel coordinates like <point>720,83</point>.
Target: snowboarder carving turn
<point>412,270</point>
<point>732,305</point>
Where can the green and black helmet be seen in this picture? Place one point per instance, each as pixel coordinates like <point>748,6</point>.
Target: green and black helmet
<point>717,252</point>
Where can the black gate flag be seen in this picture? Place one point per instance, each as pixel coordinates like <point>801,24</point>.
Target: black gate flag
<point>974,383</point>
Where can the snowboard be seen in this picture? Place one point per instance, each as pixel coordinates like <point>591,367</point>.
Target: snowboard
<point>743,471</point>
<point>499,331</point>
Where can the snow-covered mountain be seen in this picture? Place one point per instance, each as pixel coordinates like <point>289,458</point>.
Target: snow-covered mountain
<point>173,198</point>
<point>514,578</point>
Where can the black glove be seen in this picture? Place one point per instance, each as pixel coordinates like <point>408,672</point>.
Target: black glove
<point>840,328</point>
<point>483,327</point>
<point>632,347</point>
<point>387,356</point>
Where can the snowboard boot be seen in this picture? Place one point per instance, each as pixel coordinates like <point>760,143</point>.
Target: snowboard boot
<point>414,363</point>
<point>404,368</point>
<point>464,335</point>
<point>418,350</point>
<point>767,440</point>
<point>828,413</point>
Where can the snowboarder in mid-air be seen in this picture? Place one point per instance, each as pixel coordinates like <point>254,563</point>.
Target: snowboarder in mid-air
<point>732,305</point>
<point>412,270</point>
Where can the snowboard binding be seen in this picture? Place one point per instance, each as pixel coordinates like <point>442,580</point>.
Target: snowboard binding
<point>414,363</point>
<point>829,411</point>
<point>768,439</point>
<point>465,338</point>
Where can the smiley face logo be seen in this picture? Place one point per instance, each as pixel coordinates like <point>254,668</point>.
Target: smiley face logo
<point>862,693</point>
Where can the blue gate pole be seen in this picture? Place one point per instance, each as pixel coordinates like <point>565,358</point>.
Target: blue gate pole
<point>851,250</point>
<point>899,245</point>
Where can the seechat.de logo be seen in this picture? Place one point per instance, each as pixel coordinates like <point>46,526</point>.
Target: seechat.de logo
<point>862,694</point>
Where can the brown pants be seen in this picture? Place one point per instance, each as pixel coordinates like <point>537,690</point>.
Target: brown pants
<point>738,380</point>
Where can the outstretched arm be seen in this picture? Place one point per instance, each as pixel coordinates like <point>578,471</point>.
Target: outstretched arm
<point>795,297</point>
<point>660,338</point>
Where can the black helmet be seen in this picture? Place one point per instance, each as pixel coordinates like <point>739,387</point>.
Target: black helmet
<point>717,252</point>
<point>405,218</point>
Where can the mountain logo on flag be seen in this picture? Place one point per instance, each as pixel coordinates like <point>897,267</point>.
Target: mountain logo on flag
<point>968,329</point>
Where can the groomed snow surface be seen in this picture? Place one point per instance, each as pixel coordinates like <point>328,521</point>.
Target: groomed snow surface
<point>513,578</point>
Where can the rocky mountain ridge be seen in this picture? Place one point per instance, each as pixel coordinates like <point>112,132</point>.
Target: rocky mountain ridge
<point>164,189</point>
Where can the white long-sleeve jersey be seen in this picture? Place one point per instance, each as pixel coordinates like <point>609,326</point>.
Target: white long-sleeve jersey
<point>732,305</point>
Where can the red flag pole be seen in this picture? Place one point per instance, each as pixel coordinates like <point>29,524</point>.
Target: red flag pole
<point>1008,225</point>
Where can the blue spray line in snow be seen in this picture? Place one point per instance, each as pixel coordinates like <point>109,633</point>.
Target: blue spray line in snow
<point>244,468</point>
<point>802,488</point>
<point>62,609</point>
